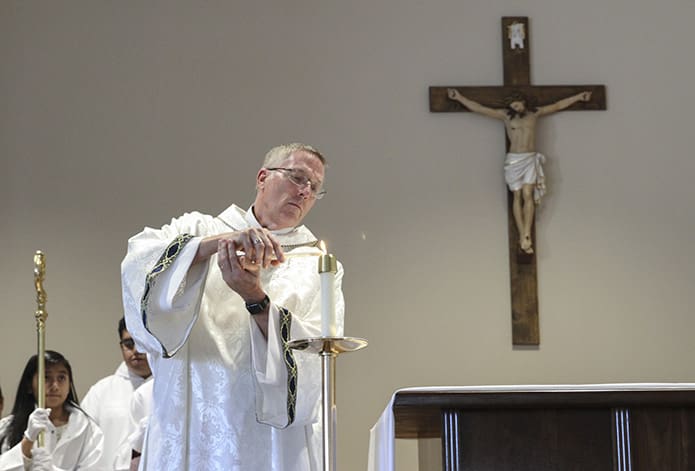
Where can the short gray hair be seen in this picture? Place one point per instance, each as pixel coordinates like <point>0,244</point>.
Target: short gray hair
<point>280,153</point>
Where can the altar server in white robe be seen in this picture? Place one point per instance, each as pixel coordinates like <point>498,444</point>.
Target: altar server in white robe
<point>128,455</point>
<point>72,440</point>
<point>215,302</point>
<point>108,401</point>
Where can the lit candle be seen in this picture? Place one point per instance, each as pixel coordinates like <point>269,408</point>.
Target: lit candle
<point>328,266</point>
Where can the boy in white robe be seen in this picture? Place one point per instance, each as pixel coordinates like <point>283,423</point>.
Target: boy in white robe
<point>108,401</point>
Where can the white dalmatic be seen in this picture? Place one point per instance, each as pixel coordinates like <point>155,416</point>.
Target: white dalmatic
<point>225,398</point>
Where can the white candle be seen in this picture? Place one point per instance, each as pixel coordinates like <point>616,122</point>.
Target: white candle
<point>328,266</point>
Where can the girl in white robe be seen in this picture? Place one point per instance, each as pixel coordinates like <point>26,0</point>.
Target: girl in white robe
<point>72,440</point>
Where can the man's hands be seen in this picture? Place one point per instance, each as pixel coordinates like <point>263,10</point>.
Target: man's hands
<point>260,248</point>
<point>240,257</point>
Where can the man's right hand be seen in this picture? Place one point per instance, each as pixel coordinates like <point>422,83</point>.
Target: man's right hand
<point>240,272</point>
<point>259,247</point>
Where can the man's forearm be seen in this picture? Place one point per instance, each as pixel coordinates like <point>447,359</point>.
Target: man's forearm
<point>206,248</point>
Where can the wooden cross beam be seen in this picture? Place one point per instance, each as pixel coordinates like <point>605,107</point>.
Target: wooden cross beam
<point>494,101</point>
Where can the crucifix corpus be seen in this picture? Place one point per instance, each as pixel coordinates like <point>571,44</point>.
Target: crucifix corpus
<point>518,104</point>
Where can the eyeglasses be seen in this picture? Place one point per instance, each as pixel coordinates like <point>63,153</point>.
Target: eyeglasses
<point>127,344</point>
<point>299,178</point>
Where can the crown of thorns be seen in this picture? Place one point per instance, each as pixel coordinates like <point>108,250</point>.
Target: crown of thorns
<point>515,96</point>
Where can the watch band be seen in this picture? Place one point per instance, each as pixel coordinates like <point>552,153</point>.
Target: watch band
<point>257,308</point>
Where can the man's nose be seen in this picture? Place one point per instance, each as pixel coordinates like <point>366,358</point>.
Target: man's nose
<point>305,191</point>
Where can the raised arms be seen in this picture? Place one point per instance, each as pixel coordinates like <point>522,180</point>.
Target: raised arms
<point>564,103</point>
<point>474,106</point>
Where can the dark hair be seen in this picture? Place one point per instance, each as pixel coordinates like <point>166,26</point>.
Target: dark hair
<point>25,402</point>
<point>121,327</point>
<point>517,95</point>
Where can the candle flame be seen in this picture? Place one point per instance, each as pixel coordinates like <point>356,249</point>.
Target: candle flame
<point>322,246</point>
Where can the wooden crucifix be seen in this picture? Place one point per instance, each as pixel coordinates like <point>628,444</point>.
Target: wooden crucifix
<point>518,104</point>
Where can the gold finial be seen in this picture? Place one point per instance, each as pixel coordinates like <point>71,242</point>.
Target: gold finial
<point>39,274</point>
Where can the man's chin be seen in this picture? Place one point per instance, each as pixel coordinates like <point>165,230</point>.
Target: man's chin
<point>291,215</point>
<point>288,220</point>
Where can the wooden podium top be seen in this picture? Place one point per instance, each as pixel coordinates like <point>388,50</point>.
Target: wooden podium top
<point>418,411</point>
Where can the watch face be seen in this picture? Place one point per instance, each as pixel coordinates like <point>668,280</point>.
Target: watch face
<point>257,308</point>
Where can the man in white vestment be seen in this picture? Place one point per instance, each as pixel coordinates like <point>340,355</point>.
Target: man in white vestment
<point>108,400</point>
<point>215,301</point>
<point>523,165</point>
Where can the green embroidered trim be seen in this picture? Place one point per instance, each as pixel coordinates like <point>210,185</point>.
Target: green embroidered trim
<point>292,373</point>
<point>170,253</point>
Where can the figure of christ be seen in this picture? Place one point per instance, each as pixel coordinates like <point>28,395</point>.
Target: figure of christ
<point>523,168</point>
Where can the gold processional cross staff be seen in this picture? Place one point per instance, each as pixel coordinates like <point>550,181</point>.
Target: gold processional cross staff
<point>40,315</point>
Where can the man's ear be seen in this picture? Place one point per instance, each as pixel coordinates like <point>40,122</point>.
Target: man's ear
<point>260,177</point>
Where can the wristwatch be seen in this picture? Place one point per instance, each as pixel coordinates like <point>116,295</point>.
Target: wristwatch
<point>257,308</point>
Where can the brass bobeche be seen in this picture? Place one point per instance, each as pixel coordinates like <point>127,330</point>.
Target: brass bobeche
<point>328,263</point>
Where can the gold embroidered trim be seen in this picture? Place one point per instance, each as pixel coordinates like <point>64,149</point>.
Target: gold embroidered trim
<point>290,363</point>
<point>170,253</point>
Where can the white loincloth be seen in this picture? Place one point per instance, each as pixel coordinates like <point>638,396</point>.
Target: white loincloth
<point>525,169</point>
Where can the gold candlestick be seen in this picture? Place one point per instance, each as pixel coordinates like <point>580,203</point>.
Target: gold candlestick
<point>329,348</point>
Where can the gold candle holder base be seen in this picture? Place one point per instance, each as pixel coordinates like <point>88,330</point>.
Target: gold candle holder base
<point>329,348</point>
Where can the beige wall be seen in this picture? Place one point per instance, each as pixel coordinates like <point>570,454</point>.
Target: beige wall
<point>115,115</point>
